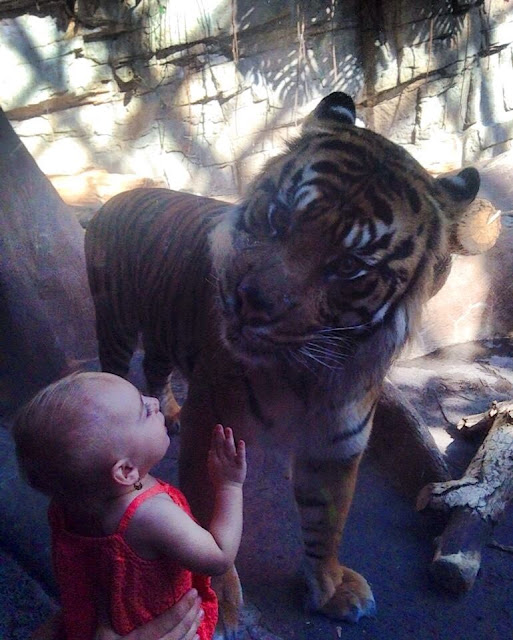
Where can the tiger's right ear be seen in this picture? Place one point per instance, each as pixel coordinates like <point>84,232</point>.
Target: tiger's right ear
<point>338,107</point>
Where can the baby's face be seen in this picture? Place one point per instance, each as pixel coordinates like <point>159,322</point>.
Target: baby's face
<point>136,427</point>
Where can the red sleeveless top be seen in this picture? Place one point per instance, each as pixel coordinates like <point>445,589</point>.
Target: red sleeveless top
<point>135,589</point>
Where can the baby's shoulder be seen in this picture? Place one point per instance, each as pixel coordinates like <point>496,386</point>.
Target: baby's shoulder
<point>161,504</point>
<point>152,517</point>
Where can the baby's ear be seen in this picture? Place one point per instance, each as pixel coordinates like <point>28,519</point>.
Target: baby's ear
<point>124,472</point>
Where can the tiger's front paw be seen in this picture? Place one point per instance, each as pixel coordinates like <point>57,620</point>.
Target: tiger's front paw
<point>340,593</point>
<point>170,408</point>
<point>173,422</point>
<point>229,595</point>
<point>352,599</point>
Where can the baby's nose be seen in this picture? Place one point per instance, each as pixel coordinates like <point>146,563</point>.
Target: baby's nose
<point>153,403</point>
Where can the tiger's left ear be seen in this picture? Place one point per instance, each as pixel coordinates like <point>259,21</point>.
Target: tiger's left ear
<point>462,188</point>
<point>475,223</point>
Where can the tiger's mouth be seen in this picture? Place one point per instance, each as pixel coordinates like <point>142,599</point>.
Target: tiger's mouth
<point>324,349</point>
<point>255,341</point>
<point>285,336</point>
<point>252,345</point>
<point>258,338</point>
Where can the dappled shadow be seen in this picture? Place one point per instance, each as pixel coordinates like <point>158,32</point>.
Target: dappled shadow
<point>165,69</point>
<point>384,533</point>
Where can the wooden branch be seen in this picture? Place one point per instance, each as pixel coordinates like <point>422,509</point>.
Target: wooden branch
<point>480,423</point>
<point>477,230</point>
<point>476,503</point>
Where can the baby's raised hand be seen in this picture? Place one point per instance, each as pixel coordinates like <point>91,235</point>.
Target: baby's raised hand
<point>226,462</point>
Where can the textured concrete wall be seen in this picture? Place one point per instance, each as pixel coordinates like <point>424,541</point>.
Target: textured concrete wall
<point>198,94</point>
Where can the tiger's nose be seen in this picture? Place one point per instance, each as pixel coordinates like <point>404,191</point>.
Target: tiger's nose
<point>257,308</point>
<point>252,297</point>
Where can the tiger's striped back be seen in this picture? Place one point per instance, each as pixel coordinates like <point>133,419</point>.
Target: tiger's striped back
<point>148,265</point>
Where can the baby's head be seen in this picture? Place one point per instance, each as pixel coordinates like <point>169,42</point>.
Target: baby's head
<point>85,433</point>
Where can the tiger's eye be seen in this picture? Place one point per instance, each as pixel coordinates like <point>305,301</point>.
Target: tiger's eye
<point>278,218</point>
<point>348,267</point>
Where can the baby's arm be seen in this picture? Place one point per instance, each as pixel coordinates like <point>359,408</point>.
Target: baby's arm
<point>227,470</point>
<point>168,530</point>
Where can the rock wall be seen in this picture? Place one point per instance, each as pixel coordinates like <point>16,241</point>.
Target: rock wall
<point>197,95</point>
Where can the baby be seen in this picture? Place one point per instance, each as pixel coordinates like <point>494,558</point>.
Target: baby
<point>124,543</point>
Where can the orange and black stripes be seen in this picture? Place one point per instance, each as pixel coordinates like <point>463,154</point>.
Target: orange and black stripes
<point>147,254</point>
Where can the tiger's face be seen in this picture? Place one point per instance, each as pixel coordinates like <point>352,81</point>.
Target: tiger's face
<point>337,236</point>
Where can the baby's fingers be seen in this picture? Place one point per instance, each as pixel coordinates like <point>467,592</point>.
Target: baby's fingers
<point>241,459</point>
<point>229,443</point>
<point>241,451</point>
<point>217,441</point>
<point>223,445</point>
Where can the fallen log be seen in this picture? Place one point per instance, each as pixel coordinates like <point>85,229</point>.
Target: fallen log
<point>478,229</point>
<point>476,502</point>
<point>481,423</point>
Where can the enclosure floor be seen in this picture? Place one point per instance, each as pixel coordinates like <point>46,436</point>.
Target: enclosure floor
<point>385,539</point>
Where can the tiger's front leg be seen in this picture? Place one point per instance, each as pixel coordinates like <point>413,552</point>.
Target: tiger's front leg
<point>324,491</point>
<point>157,369</point>
<point>197,421</point>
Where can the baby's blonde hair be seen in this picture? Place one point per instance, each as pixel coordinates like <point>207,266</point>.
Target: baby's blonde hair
<point>60,438</point>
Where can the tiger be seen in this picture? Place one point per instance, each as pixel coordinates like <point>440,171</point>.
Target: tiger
<point>283,312</point>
